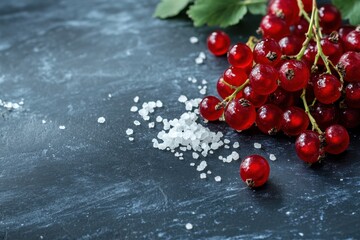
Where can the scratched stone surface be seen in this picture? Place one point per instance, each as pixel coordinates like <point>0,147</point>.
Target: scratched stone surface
<point>62,59</point>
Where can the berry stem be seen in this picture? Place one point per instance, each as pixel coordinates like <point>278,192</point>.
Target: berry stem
<point>309,33</point>
<point>307,110</point>
<point>302,11</point>
<point>233,95</point>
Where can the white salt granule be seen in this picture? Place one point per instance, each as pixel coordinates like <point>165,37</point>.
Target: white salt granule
<point>188,226</point>
<point>257,145</point>
<point>272,157</point>
<point>159,119</point>
<point>192,164</point>
<point>199,60</point>
<point>202,55</point>
<point>101,120</point>
<point>109,95</point>
<point>226,141</point>
<point>194,80</point>
<point>193,40</point>
<point>208,172</point>
<point>129,131</point>
<point>43,121</point>
<point>181,158</point>
<point>201,166</point>
<point>203,91</point>
<point>235,155</point>
<point>217,178</point>
<point>195,155</point>
<point>204,82</point>
<point>131,139</point>
<point>151,124</point>
<point>301,234</point>
<point>227,146</point>
<point>62,127</point>
<point>202,175</point>
<point>134,109</point>
<point>136,123</point>
<point>159,104</point>
<point>136,99</point>
<point>236,145</point>
<point>146,118</point>
<point>182,98</point>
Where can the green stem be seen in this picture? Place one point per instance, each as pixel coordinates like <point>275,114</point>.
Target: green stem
<point>309,35</point>
<point>302,11</point>
<point>233,95</point>
<point>307,110</point>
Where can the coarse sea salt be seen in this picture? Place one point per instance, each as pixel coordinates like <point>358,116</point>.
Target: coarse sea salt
<point>202,175</point>
<point>193,40</point>
<point>257,145</point>
<point>129,131</point>
<point>188,226</point>
<point>62,127</point>
<point>101,120</point>
<point>217,179</point>
<point>272,157</point>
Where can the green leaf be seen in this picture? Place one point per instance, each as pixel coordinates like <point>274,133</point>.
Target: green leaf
<point>170,8</point>
<point>349,9</point>
<point>223,13</point>
<point>256,9</point>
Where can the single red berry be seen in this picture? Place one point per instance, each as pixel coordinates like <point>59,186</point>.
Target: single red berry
<point>332,48</point>
<point>267,51</point>
<point>348,65</point>
<point>308,146</point>
<point>240,114</point>
<point>337,139</point>
<point>352,95</point>
<point>310,53</point>
<point>294,75</point>
<point>295,121</point>
<point>307,5</point>
<point>325,114</point>
<point>224,90</point>
<point>240,55</point>
<point>350,118</point>
<point>269,119</point>
<point>272,26</point>
<point>235,76</point>
<point>344,31</point>
<point>209,110</point>
<point>249,94</point>
<point>254,170</point>
<point>330,18</point>
<point>285,9</point>
<point>327,89</point>
<point>281,98</point>
<point>263,78</point>
<point>290,45</point>
<point>301,28</point>
<point>218,43</point>
<point>352,40</point>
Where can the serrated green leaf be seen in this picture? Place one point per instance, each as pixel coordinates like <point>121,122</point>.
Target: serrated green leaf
<point>349,9</point>
<point>170,8</point>
<point>256,9</point>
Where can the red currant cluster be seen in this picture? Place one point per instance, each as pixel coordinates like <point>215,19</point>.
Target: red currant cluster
<point>301,78</point>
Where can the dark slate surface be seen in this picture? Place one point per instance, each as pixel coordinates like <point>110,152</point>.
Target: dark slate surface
<point>89,182</point>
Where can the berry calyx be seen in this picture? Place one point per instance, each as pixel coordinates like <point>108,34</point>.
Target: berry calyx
<point>294,75</point>
<point>218,43</point>
<point>254,170</point>
<point>267,51</point>
<point>240,114</point>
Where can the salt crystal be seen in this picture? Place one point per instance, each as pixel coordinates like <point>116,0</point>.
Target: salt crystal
<point>151,124</point>
<point>227,146</point>
<point>226,141</point>
<point>194,80</point>
<point>235,155</point>
<point>257,145</point>
<point>202,91</point>
<point>301,234</point>
<point>182,98</point>
<point>193,40</point>
<point>272,157</point>
<point>159,104</point>
<point>131,139</point>
<point>146,118</point>
<point>43,121</point>
<point>201,166</point>
<point>159,119</point>
<point>189,226</point>
<point>217,178</point>
<point>204,82</point>
<point>101,120</point>
<point>199,60</point>
<point>134,109</point>
<point>202,175</point>
<point>109,95</point>
<point>208,172</point>
<point>181,158</point>
<point>236,145</point>
<point>192,164</point>
<point>136,123</point>
<point>62,127</point>
<point>129,131</point>
<point>195,155</point>
<point>136,99</point>
<point>202,55</point>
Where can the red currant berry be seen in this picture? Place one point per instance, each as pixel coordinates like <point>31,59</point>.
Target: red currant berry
<point>224,90</point>
<point>294,75</point>
<point>325,114</point>
<point>308,146</point>
<point>337,139</point>
<point>272,26</point>
<point>350,118</point>
<point>327,89</point>
<point>209,110</point>
<point>307,5</point>
<point>310,53</point>
<point>349,66</point>
<point>263,78</point>
<point>290,45</point>
<point>331,48</point>
<point>240,55</point>
<point>218,43</point>
<point>249,94</point>
<point>240,114</point>
<point>281,98</point>
<point>269,119</point>
<point>330,18</point>
<point>301,28</point>
<point>352,95</point>
<point>344,31</point>
<point>267,51</point>
<point>235,76</point>
<point>286,9</point>
<point>295,121</point>
<point>352,41</point>
<point>254,170</point>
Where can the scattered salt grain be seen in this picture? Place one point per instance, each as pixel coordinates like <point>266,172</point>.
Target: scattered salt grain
<point>136,99</point>
<point>272,157</point>
<point>217,179</point>
<point>195,155</point>
<point>131,139</point>
<point>151,124</point>
<point>202,55</point>
<point>235,155</point>
<point>182,99</point>
<point>226,141</point>
<point>193,40</point>
<point>109,95</point>
<point>129,131</point>
<point>201,166</point>
<point>202,175</point>
<point>62,127</point>
<point>136,123</point>
<point>43,121</point>
<point>101,120</point>
<point>181,158</point>
<point>208,172</point>
<point>226,146</point>
<point>192,164</point>
<point>257,145</point>
<point>301,234</point>
<point>188,226</point>
<point>134,109</point>
<point>159,119</point>
<point>199,60</point>
<point>204,82</point>
<point>159,104</point>
<point>236,145</point>
<point>203,90</point>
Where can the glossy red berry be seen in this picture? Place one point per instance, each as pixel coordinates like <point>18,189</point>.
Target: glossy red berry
<point>281,98</point>
<point>301,28</point>
<point>256,100</point>
<point>269,119</point>
<point>285,9</point>
<point>352,41</point>
<point>224,90</point>
<point>294,75</point>
<point>208,109</point>
<point>240,114</point>
<point>337,139</point>
<point>325,114</point>
<point>235,76</point>
<point>332,48</point>
<point>344,31</point>
<point>295,121</point>
<point>327,89</point>
<point>350,117</point>
<point>352,95</point>
<point>267,51</point>
<point>308,146</point>
<point>218,43</point>
<point>240,55</point>
<point>290,45</point>
<point>310,53</point>
<point>254,170</point>
<point>272,26</point>
<point>330,18</point>
<point>348,65</point>
<point>307,5</point>
<point>263,78</point>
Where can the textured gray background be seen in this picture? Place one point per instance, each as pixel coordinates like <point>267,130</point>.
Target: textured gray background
<point>89,182</point>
